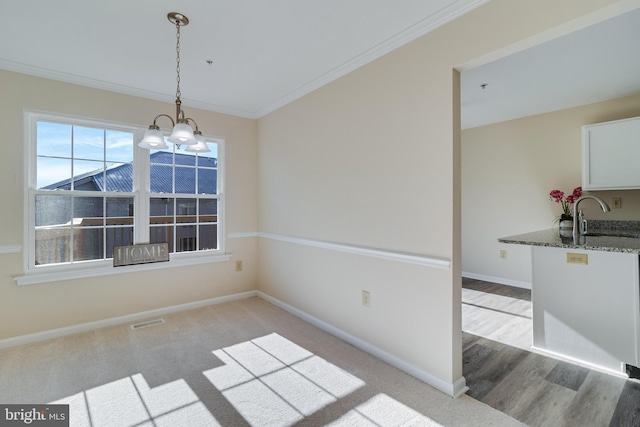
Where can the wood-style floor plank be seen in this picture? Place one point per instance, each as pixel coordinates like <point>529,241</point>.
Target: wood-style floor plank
<point>503,372</point>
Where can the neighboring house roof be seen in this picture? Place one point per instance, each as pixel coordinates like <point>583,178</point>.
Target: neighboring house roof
<point>119,178</point>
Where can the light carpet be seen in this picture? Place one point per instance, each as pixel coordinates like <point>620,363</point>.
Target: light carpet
<point>239,363</point>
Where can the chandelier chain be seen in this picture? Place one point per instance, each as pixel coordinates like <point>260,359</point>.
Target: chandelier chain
<point>178,93</point>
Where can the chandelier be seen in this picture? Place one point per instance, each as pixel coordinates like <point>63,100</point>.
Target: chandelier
<point>183,133</point>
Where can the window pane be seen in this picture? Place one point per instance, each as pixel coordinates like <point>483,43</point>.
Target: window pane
<point>53,139</point>
<point>52,246</point>
<point>186,210</point>
<point>185,159</point>
<point>119,177</point>
<point>118,236</point>
<point>88,143</point>
<point>88,244</point>
<point>162,234</point>
<point>88,212</point>
<point>53,240</point>
<point>53,173</point>
<point>119,211</point>
<point>162,210</point>
<point>52,210</point>
<point>185,180</point>
<point>208,210</point>
<point>161,179</point>
<point>210,159</point>
<point>164,157</point>
<point>88,175</point>
<point>208,237</point>
<point>185,238</point>
<point>119,146</point>
<point>207,181</point>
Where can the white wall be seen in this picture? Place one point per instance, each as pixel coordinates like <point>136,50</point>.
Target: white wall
<point>372,159</point>
<point>508,170</point>
<point>46,306</point>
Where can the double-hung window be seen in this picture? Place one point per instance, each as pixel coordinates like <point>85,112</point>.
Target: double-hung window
<point>91,188</point>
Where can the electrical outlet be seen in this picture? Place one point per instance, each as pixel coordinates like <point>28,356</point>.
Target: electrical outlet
<point>503,254</point>
<point>573,258</point>
<point>366,299</point>
<point>617,203</point>
<point>238,265</point>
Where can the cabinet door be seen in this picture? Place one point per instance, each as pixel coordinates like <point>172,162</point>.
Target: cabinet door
<point>586,312</point>
<point>611,155</point>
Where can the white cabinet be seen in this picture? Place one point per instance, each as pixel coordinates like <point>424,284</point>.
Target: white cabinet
<point>611,155</point>
<point>589,312</point>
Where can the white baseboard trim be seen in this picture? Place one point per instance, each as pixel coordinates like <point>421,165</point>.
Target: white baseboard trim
<point>616,372</point>
<point>83,327</point>
<point>454,389</point>
<point>499,280</point>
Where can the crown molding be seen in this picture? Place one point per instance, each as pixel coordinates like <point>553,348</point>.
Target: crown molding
<point>443,16</point>
<point>125,90</point>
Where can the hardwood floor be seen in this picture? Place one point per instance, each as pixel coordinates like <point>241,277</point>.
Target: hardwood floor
<point>503,372</point>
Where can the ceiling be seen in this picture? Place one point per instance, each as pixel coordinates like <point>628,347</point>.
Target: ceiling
<point>594,64</point>
<point>266,54</point>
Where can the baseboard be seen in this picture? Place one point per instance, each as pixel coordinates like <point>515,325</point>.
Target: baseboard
<point>454,389</point>
<point>499,280</point>
<point>83,327</point>
<point>621,373</point>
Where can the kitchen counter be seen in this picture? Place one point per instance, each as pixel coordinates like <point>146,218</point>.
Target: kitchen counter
<point>585,296</point>
<point>610,236</point>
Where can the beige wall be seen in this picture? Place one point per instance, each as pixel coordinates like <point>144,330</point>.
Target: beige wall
<point>41,307</point>
<point>508,170</point>
<point>372,160</point>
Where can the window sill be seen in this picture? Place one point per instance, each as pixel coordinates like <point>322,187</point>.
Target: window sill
<point>107,269</point>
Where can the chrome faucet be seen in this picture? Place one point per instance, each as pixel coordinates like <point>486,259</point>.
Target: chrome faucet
<point>578,218</point>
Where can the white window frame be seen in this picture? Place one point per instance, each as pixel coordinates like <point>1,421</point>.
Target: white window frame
<point>54,272</point>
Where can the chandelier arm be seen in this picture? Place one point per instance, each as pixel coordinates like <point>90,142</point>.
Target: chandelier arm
<point>165,115</point>
<point>188,119</point>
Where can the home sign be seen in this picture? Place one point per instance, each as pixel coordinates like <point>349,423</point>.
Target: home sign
<point>140,254</point>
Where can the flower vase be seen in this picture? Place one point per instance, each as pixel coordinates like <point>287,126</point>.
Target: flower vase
<point>566,226</point>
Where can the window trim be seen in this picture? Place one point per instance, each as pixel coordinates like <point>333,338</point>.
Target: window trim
<point>92,268</point>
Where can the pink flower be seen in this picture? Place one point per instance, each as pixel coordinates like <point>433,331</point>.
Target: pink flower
<point>557,195</point>
<point>566,202</point>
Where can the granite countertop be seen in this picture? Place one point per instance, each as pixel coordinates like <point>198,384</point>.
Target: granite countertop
<point>611,236</point>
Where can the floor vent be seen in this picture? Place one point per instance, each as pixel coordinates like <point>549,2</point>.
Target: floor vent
<point>146,324</point>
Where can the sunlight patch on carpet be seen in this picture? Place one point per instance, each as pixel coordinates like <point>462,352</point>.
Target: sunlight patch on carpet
<point>272,381</point>
<point>131,402</point>
<point>268,381</point>
<point>382,410</point>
